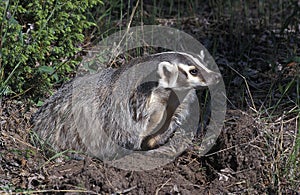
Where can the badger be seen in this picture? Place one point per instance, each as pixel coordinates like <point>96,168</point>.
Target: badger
<point>86,114</point>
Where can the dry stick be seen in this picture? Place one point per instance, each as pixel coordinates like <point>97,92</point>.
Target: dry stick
<point>296,131</point>
<point>23,92</point>
<point>127,30</point>
<point>280,153</point>
<point>156,192</point>
<point>236,183</point>
<point>21,141</point>
<point>126,190</point>
<point>247,86</point>
<point>287,121</point>
<point>229,148</point>
<point>109,183</point>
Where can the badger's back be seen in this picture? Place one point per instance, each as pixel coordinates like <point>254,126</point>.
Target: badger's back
<point>84,115</point>
<point>72,107</point>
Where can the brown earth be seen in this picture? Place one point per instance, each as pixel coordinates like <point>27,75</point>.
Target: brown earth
<point>238,163</point>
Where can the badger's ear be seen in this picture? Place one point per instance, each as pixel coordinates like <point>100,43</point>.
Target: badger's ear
<point>168,74</point>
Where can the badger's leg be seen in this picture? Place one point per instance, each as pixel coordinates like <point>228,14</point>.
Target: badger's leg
<point>159,138</point>
<point>176,114</point>
<point>156,111</point>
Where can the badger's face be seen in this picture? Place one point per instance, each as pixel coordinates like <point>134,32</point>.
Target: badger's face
<point>180,70</point>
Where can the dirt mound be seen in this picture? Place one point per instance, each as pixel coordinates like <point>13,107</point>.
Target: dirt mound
<point>237,164</point>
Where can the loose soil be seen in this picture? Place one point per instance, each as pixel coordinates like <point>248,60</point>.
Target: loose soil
<point>238,163</point>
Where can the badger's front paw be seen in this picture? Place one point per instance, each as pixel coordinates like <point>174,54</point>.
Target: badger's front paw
<point>150,143</point>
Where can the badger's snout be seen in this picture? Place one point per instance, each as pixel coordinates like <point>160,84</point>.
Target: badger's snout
<point>213,78</point>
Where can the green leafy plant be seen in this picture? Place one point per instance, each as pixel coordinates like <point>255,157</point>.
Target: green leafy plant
<point>40,42</point>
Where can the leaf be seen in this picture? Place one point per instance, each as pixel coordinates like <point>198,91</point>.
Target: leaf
<point>40,103</point>
<point>55,76</point>
<point>297,59</point>
<point>46,69</point>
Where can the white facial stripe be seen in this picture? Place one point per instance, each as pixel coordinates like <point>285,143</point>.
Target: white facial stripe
<point>194,59</point>
<point>191,79</point>
<point>184,67</point>
<point>197,62</point>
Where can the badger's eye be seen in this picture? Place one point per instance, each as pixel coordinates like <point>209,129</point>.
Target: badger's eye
<point>194,72</point>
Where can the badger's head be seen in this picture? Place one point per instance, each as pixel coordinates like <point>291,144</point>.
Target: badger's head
<point>179,70</point>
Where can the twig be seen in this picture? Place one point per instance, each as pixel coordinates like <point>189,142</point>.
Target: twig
<point>156,192</point>
<point>247,86</point>
<point>127,30</point>
<point>229,148</point>
<point>21,141</point>
<point>125,191</point>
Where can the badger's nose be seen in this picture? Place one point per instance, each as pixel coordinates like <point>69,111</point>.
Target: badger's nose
<point>213,78</point>
<point>217,77</point>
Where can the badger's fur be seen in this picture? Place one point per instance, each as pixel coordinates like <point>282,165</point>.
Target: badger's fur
<point>87,116</point>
